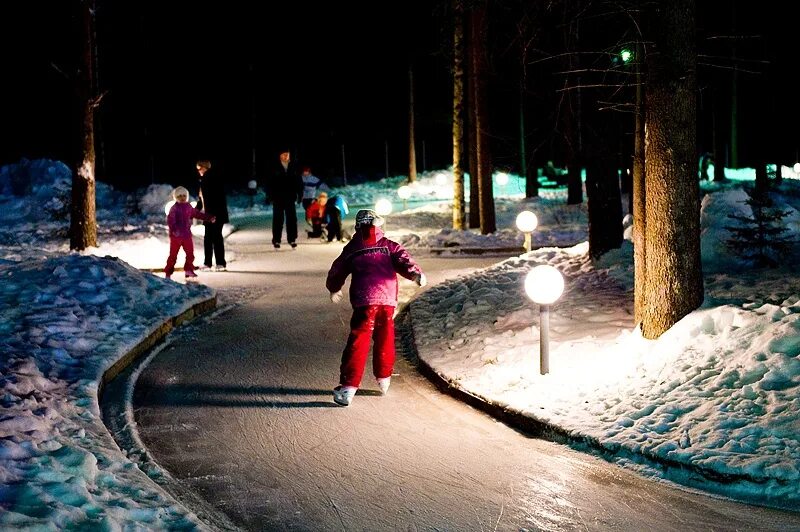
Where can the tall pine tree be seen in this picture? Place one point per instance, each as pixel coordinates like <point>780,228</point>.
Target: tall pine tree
<point>760,238</point>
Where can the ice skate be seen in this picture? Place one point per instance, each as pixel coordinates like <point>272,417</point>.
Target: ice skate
<point>383,384</point>
<point>343,395</point>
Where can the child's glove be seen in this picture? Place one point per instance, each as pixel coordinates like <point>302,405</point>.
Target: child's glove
<point>336,297</point>
<point>420,279</point>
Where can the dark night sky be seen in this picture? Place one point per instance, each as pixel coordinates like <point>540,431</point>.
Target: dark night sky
<point>184,80</point>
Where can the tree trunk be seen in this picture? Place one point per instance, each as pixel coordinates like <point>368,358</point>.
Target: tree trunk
<point>720,158</point>
<point>734,94</point>
<point>412,145</point>
<point>531,184</point>
<point>481,125</point>
<point>474,189</point>
<point>605,205</point>
<point>762,183</point>
<point>472,137</point>
<point>572,125</point>
<point>638,196</point>
<point>83,222</point>
<point>459,218</point>
<point>674,283</point>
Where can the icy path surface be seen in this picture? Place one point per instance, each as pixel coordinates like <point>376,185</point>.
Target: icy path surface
<point>238,409</point>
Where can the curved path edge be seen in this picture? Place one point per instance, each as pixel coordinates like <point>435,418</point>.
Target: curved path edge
<point>113,400</point>
<point>693,477</point>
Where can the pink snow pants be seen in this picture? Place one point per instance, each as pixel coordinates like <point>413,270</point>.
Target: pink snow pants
<point>175,244</point>
<point>374,322</point>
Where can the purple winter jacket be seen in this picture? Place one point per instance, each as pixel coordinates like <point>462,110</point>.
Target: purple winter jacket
<point>180,217</point>
<point>374,269</point>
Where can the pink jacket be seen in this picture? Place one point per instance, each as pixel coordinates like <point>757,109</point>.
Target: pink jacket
<point>374,269</point>
<point>180,217</point>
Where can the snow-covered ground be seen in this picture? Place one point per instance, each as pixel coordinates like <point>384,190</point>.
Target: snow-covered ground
<point>719,391</point>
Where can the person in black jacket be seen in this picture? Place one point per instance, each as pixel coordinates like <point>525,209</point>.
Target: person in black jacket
<point>213,202</point>
<point>284,188</point>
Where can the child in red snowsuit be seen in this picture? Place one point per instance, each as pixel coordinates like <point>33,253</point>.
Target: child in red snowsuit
<point>374,262</point>
<point>315,215</point>
<point>179,221</point>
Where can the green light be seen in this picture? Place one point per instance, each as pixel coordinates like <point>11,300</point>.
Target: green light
<point>626,55</point>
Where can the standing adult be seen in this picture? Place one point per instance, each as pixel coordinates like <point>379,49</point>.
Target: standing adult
<point>284,187</point>
<point>311,184</point>
<point>213,202</point>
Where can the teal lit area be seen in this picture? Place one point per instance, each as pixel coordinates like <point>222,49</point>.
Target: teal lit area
<point>547,182</point>
<point>741,174</point>
<point>513,185</point>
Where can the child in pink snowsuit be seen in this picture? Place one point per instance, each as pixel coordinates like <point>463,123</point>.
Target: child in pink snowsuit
<point>179,221</point>
<point>374,262</point>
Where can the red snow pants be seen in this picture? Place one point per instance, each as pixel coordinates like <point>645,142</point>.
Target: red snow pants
<point>373,322</point>
<point>175,244</point>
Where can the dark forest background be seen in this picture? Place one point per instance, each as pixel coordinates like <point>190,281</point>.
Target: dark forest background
<point>188,80</point>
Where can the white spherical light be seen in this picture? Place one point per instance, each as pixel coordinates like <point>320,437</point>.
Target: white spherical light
<point>796,168</point>
<point>404,192</point>
<point>383,207</point>
<point>252,184</point>
<point>441,179</point>
<point>544,284</point>
<point>527,221</point>
<point>168,206</point>
<point>501,178</point>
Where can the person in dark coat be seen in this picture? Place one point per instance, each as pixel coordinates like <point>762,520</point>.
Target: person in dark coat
<point>284,189</point>
<point>213,202</point>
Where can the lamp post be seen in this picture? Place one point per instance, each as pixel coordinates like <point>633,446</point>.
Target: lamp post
<point>544,285</point>
<point>501,178</point>
<point>527,222</point>
<point>251,190</point>
<point>404,192</point>
<point>383,207</point>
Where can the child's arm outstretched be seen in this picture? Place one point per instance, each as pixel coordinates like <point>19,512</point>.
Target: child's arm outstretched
<point>406,266</point>
<point>337,275</point>
<point>196,213</point>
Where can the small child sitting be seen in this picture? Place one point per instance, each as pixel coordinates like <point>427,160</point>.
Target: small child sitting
<point>179,221</point>
<point>315,215</point>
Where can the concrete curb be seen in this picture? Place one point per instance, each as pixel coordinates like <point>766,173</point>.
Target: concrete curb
<point>514,418</point>
<point>153,339</point>
<point>538,428</point>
